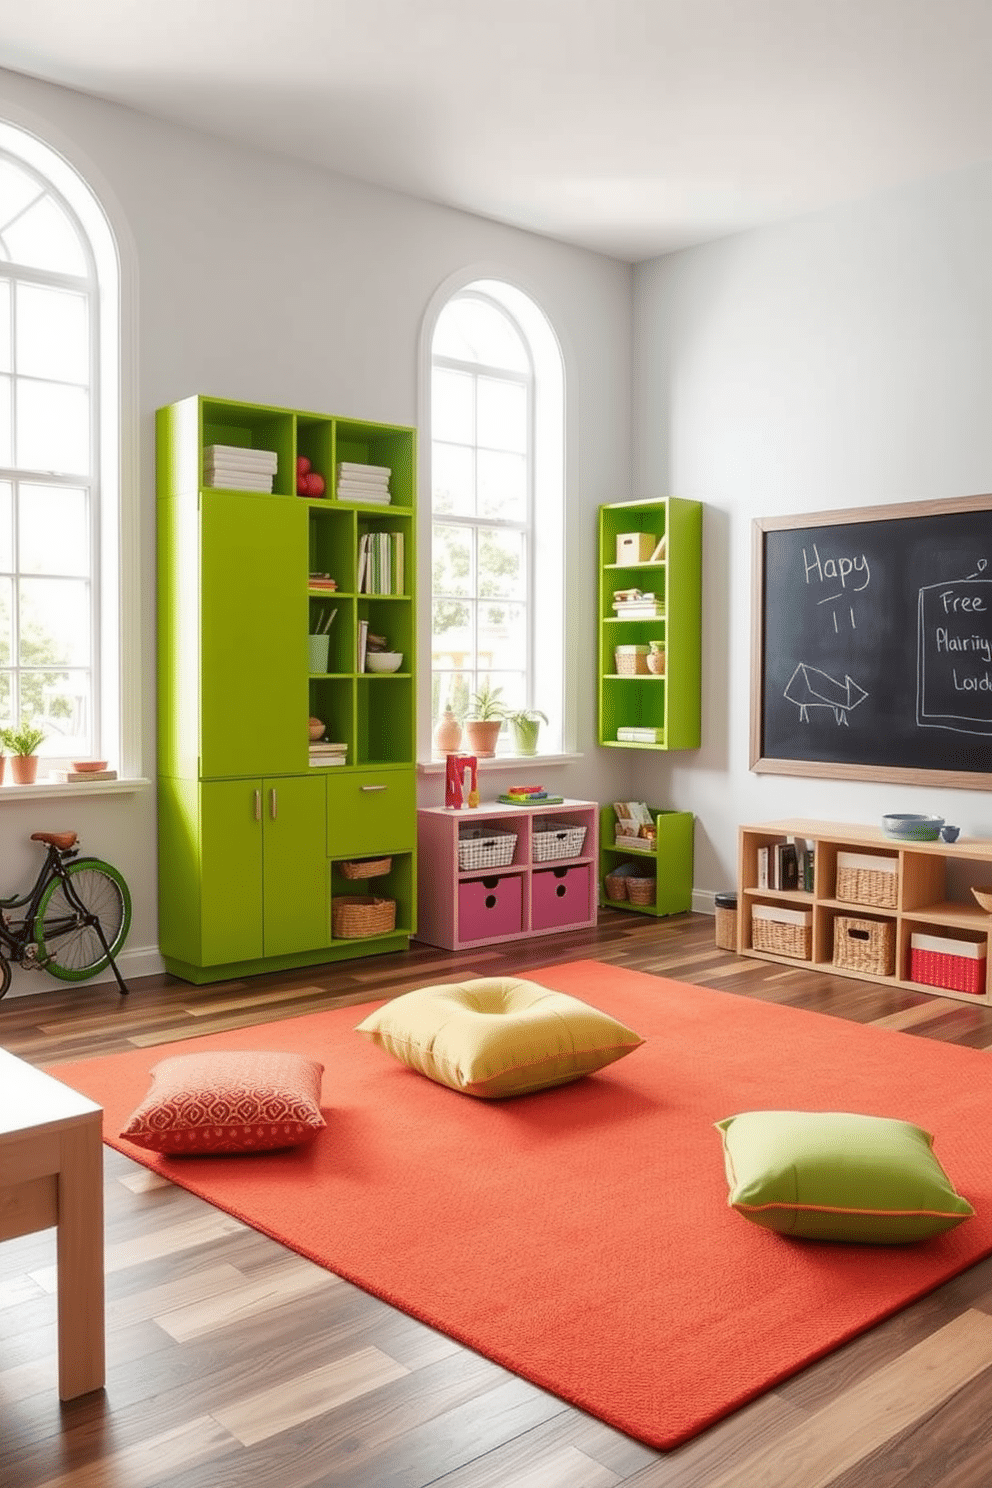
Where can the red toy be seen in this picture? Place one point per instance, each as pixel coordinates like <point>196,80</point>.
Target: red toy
<point>454,770</point>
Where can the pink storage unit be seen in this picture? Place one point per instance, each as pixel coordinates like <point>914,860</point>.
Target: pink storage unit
<point>472,903</point>
<point>560,896</point>
<point>488,907</point>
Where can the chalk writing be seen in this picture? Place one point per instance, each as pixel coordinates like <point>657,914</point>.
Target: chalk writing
<point>954,641</point>
<point>852,572</point>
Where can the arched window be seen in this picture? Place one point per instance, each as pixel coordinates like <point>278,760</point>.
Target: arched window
<point>60,590</point>
<point>496,426</point>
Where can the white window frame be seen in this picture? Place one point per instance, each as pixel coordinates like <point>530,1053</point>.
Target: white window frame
<point>546,551</point>
<point>113,481</point>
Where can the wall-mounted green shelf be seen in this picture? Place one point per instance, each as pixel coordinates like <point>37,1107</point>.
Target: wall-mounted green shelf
<point>662,709</point>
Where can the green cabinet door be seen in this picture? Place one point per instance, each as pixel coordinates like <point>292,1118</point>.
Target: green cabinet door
<point>253,621</point>
<point>295,872</point>
<point>231,871</point>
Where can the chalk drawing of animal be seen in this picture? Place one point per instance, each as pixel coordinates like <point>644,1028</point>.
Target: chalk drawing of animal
<point>808,688</point>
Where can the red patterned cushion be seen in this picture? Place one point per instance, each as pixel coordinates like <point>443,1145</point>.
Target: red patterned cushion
<point>225,1102</point>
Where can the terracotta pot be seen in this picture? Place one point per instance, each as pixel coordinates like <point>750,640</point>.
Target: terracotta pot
<point>24,768</point>
<point>482,735</point>
<point>448,734</point>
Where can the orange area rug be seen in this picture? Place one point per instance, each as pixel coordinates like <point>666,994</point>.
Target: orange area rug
<point>581,1237</point>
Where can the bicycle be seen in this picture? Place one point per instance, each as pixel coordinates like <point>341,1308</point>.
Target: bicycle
<point>76,916</point>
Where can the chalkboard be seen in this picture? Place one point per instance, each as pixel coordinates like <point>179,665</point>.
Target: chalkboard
<point>872,644</point>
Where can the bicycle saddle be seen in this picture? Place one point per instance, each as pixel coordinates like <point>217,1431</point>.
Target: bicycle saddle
<point>62,840</point>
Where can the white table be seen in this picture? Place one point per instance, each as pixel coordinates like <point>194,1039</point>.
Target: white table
<point>51,1173</point>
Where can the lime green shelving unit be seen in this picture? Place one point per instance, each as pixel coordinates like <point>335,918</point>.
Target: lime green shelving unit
<point>668,860</point>
<point>253,830</point>
<point>665,705</point>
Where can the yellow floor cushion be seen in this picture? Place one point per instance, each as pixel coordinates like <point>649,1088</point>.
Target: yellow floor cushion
<point>498,1036</point>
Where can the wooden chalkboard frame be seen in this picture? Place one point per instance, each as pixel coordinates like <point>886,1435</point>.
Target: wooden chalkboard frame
<point>828,769</point>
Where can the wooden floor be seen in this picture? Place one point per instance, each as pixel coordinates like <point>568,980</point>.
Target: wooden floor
<point>234,1362</point>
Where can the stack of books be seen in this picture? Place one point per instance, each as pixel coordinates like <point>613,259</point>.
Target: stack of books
<point>323,753</point>
<point>322,581</point>
<point>646,607</point>
<point>778,866</point>
<point>636,734</point>
<point>529,795</point>
<point>381,561</point>
<point>71,776</point>
<point>228,467</point>
<point>365,483</point>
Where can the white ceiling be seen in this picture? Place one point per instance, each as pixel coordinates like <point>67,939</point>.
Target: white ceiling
<point>631,127</point>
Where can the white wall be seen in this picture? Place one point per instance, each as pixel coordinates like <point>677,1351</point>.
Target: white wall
<point>268,281</point>
<point>841,360</point>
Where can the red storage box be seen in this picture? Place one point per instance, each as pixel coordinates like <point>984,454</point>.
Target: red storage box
<point>489,906</point>
<point>955,965</point>
<point>560,896</point>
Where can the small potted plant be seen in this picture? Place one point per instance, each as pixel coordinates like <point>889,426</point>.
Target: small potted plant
<point>526,725</point>
<point>22,741</point>
<point>486,713</point>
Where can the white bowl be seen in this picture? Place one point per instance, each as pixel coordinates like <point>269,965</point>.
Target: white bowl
<point>383,661</point>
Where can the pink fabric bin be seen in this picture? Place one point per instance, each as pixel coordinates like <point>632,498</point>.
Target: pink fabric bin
<point>560,896</point>
<point>488,907</point>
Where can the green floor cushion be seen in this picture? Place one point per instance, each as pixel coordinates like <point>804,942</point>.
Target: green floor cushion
<point>829,1175</point>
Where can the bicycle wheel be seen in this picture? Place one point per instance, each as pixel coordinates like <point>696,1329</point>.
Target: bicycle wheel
<point>6,975</point>
<point>68,947</point>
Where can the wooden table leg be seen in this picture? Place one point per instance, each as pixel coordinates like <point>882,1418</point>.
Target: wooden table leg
<point>82,1364</point>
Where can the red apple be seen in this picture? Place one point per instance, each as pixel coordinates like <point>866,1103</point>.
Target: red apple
<point>301,485</point>
<point>302,465</point>
<point>315,484</point>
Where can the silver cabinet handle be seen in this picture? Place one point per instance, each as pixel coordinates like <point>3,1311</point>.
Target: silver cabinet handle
<point>258,805</point>
<point>371,787</point>
<point>272,804</point>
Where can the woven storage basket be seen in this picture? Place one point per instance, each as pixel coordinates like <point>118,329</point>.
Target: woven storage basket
<point>726,922</point>
<point>354,915</point>
<point>366,868</point>
<point>557,840</point>
<point>637,885</point>
<point>480,849</point>
<point>615,885</point>
<point>940,961</point>
<point>781,938</point>
<point>866,886</point>
<point>641,890</point>
<point>631,661</point>
<point>864,945</point>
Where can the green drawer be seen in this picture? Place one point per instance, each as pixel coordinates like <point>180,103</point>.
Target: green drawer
<point>371,812</point>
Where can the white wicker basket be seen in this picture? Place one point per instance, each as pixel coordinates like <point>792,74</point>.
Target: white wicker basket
<point>557,840</point>
<point>480,849</point>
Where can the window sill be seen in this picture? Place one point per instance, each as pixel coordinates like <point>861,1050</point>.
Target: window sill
<point>46,790</point>
<point>502,762</point>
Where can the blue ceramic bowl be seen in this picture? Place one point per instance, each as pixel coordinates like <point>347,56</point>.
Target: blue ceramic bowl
<point>905,826</point>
